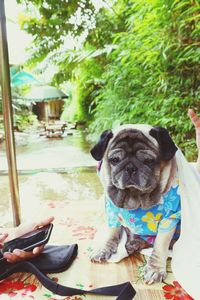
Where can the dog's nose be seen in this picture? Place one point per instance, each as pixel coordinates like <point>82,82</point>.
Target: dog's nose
<point>131,169</point>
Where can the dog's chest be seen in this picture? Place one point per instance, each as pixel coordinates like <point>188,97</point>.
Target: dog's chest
<point>147,222</point>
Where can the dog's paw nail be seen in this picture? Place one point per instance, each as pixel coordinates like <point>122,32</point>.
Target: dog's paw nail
<point>153,275</point>
<point>101,255</point>
<point>98,257</point>
<point>156,277</point>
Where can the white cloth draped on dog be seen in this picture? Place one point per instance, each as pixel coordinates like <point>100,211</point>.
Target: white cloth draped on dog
<point>186,251</point>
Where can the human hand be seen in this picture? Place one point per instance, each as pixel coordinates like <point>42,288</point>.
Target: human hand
<point>196,122</point>
<point>19,255</point>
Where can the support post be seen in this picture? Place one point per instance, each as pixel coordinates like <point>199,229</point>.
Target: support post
<point>8,117</point>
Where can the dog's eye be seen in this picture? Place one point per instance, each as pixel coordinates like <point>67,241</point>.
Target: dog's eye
<point>149,161</point>
<point>114,160</point>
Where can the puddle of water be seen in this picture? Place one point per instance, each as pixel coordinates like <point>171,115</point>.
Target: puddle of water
<point>38,152</point>
<point>49,187</point>
<point>68,173</point>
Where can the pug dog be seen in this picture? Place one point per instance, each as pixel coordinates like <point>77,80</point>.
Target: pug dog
<point>137,167</point>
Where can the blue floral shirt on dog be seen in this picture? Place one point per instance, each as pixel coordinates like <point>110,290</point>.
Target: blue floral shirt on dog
<point>147,222</point>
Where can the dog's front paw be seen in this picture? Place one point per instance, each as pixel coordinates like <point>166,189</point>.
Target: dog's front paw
<point>105,244</point>
<point>101,254</point>
<point>154,274</point>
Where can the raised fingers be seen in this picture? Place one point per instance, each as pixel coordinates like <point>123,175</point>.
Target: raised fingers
<point>194,118</point>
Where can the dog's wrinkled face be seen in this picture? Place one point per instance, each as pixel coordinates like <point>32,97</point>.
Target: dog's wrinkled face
<point>133,163</point>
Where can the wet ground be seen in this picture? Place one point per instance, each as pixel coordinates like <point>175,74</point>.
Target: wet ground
<point>55,169</point>
<point>35,152</point>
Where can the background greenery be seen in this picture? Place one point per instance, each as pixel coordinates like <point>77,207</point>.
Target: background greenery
<point>138,62</point>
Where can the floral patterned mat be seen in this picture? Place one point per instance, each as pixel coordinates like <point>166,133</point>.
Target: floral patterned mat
<point>77,223</point>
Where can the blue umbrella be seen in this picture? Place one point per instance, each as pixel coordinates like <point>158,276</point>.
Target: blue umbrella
<point>22,78</point>
<point>19,78</point>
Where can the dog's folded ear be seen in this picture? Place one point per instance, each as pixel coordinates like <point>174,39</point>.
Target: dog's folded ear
<point>166,144</point>
<point>99,149</point>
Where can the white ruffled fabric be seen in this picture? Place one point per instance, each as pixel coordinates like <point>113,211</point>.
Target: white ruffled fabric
<point>186,251</point>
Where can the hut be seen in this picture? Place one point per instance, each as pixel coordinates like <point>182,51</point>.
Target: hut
<point>47,102</point>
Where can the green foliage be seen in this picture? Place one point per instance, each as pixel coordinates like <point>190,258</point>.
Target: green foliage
<point>139,62</point>
<point>85,87</point>
<point>154,74</point>
<point>25,119</point>
<point>1,106</point>
<point>51,21</point>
